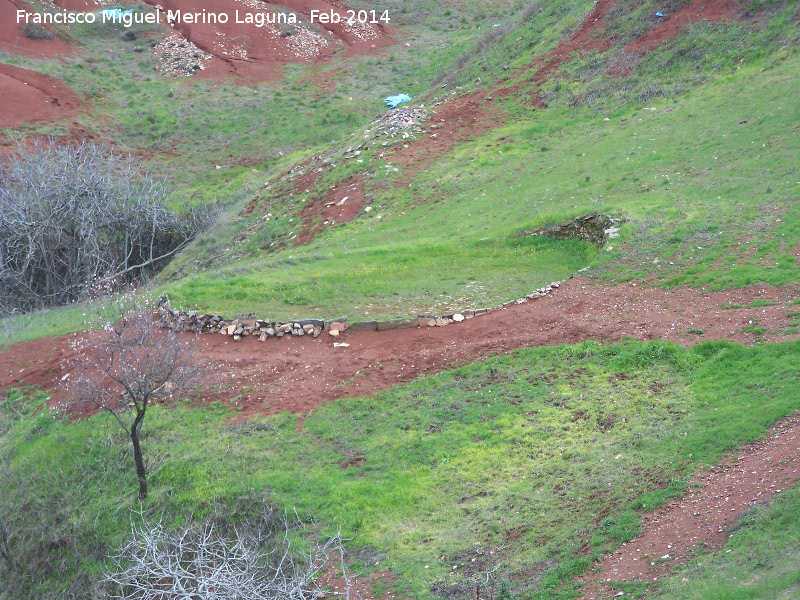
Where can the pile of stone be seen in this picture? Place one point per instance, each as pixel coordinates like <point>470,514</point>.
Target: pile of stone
<point>191,321</point>
<point>593,227</point>
<point>250,325</point>
<point>362,31</point>
<point>179,57</point>
<point>398,121</point>
<point>302,42</point>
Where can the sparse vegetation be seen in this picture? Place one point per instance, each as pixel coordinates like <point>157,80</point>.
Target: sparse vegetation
<point>516,473</point>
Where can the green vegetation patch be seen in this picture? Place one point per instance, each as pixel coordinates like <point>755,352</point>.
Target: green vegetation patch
<point>516,463</point>
<point>759,562</point>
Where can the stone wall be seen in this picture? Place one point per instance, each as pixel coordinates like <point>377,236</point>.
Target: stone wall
<point>238,328</point>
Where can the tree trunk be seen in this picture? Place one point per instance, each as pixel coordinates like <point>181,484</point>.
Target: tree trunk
<point>139,460</point>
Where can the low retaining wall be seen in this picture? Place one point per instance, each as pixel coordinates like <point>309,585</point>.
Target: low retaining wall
<point>238,328</point>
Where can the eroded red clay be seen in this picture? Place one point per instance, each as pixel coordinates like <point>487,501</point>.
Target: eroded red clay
<point>711,505</point>
<point>341,204</point>
<point>35,98</point>
<point>312,372</point>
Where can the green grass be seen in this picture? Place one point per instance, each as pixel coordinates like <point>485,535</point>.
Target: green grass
<point>707,180</point>
<point>687,205</point>
<point>759,561</point>
<point>386,282</point>
<point>528,456</point>
<point>533,463</point>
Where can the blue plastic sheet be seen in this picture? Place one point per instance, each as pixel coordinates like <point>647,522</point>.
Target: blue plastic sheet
<point>660,14</point>
<point>115,14</point>
<point>393,101</point>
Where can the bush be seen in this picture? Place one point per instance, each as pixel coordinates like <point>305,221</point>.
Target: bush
<point>33,31</point>
<point>78,221</point>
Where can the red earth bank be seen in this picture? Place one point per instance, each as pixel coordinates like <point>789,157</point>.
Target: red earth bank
<point>313,372</point>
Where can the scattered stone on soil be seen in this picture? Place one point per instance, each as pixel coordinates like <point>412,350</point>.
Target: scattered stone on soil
<point>194,322</point>
<point>179,57</point>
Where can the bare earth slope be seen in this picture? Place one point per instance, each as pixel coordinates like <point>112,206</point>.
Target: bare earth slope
<point>313,371</point>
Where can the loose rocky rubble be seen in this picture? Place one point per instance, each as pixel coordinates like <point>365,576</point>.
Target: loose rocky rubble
<point>303,43</point>
<point>250,325</point>
<point>592,227</point>
<point>402,123</point>
<point>398,121</point>
<point>362,31</point>
<point>180,57</point>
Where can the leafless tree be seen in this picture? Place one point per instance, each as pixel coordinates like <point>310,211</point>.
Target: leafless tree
<point>128,365</point>
<point>205,563</point>
<point>77,216</point>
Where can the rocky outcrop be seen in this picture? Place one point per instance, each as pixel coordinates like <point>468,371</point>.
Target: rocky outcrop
<point>593,227</point>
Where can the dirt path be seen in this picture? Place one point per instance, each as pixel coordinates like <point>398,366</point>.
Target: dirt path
<point>702,518</point>
<point>299,374</point>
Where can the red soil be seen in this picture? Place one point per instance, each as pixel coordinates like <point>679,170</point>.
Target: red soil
<point>34,98</point>
<point>340,205</point>
<point>298,374</point>
<point>702,518</point>
<point>672,25</point>
<point>312,372</point>
<point>13,41</point>
<point>30,97</point>
<point>260,53</point>
<point>460,119</point>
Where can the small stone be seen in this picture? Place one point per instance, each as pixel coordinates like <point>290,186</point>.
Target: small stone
<point>333,333</point>
<point>236,338</point>
<point>458,317</point>
<point>270,331</point>
<point>230,329</point>
<point>432,323</point>
<point>262,337</point>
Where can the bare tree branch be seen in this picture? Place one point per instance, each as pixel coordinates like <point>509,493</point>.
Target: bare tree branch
<point>204,563</point>
<point>77,220</point>
<point>126,366</point>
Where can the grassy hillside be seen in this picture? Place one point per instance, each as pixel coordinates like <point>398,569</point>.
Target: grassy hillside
<point>708,184</point>
<point>520,469</point>
<point>530,464</point>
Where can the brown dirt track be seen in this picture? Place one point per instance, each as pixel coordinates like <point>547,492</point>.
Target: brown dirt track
<point>701,518</point>
<point>312,372</point>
